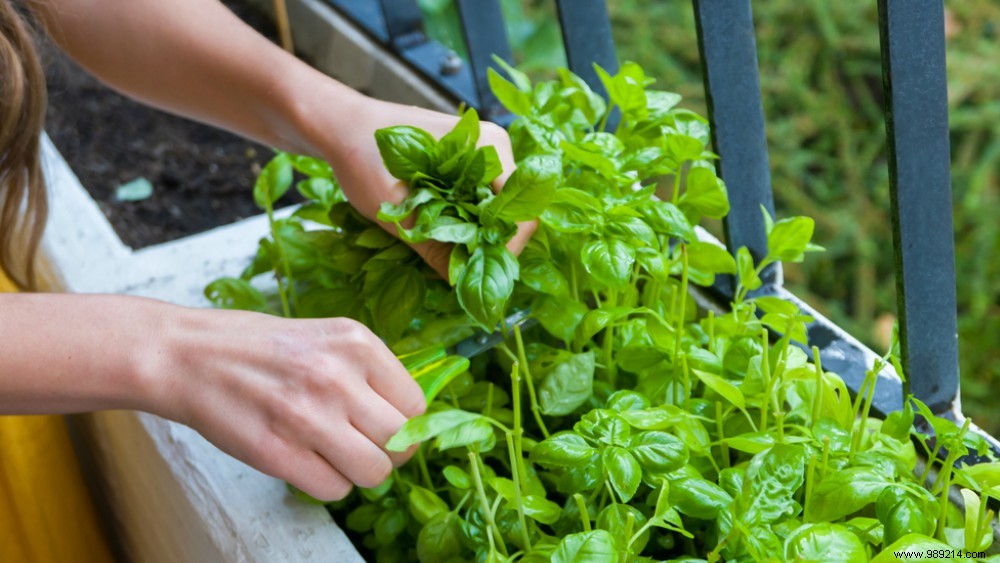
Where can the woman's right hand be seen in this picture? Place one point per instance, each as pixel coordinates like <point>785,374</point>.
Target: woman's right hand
<point>310,401</point>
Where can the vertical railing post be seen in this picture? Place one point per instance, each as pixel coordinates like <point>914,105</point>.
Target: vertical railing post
<point>485,36</point>
<point>732,90</point>
<point>586,31</point>
<point>403,22</point>
<point>913,71</point>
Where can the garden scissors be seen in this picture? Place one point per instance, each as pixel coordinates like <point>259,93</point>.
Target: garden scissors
<point>483,341</point>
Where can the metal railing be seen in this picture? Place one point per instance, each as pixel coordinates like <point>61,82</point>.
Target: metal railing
<point>916,113</point>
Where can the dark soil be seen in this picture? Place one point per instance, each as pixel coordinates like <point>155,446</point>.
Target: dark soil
<point>202,177</point>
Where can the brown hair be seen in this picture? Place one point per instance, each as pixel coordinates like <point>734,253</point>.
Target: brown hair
<point>23,205</point>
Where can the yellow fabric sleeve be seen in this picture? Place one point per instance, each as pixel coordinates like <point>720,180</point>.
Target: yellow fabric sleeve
<point>46,514</point>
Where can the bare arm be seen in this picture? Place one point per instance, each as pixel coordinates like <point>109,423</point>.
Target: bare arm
<point>195,58</point>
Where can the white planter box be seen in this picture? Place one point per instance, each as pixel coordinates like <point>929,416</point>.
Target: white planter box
<point>175,497</point>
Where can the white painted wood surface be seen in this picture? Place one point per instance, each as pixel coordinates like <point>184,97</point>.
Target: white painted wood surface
<point>175,497</point>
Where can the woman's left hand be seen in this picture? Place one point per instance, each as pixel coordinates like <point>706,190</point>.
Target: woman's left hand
<point>358,165</point>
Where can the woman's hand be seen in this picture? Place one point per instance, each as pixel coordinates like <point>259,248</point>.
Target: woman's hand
<point>354,155</point>
<point>312,402</point>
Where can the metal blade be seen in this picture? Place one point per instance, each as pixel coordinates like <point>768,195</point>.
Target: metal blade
<point>484,341</point>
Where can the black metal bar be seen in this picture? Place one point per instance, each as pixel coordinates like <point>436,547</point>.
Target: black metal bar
<point>485,36</point>
<point>586,31</point>
<point>432,59</point>
<point>367,14</point>
<point>732,90</point>
<point>403,22</point>
<point>913,73</point>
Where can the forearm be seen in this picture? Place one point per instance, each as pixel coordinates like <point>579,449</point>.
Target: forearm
<point>196,59</point>
<point>74,353</point>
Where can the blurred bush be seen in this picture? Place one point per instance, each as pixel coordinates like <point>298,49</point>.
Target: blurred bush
<point>820,68</point>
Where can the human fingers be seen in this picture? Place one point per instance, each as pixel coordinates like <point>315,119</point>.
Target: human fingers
<point>355,456</point>
<point>382,371</point>
<point>303,468</point>
<point>379,421</point>
<point>523,235</point>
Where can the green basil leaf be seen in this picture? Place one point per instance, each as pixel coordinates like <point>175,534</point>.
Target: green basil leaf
<point>573,211</point>
<point>698,498</point>
<point>788,239</point>
<point>540,508</point>
<point>528,192</point>
<point>614,519</point>
<point>658,452</point>
<point>773,477</point>
<point>568,385</point>
<point>312,167</point>
<point>626,400</point>
<point>457,477</point>
<point>655,418</point>
<point>915,544</point>
<point>447,229</point>
<point>375,238</point>
<point>709,260</point>
<point>747,271</point>
<point>705,193</point>
<point>491,164</point>
<point>626,89</point>
<point>846,492</point>
<point>623,470</point>
<point>559,314</point>
<point>486,283</point>
<point>599,319</point>
<point>273,181</point>
<point>440,539</point>
<point>604,165</point>
<point>457,144</point>
<point>235,293</point>
<point>609,261</point>
<point>321,190</point>
<point>668,219</point>
<point>596,546</point>
<point>541,274</point>
<point>391,213</point>
<point>519,78</point>
<point>563,449</point>
<point>824,542</point>
<point>683,148</point>
<point>517,101</point>
<point>389,525</point>
<point>424,504</point>
<point>724,388</point>
<point>396,301</point>
<point>405,150</point>
<point>427,426</point>
<point>660,103</point>
<point>434,378</point>
<point>477,431</point>
<point>632,229</point>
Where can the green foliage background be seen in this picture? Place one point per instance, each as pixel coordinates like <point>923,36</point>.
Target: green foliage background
<point>821,80</point>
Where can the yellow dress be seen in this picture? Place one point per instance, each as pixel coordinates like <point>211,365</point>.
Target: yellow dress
<point>46,515</point>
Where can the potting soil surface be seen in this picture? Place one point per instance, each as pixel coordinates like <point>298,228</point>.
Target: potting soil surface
<point>202,177</point>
